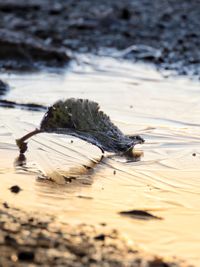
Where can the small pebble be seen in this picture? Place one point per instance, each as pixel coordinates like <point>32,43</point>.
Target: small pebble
<point>103,224</point>
<point>14,257</point>
<point>15,189</point>
<point>194,154</point>
<point>5,204</point>
<point>26,256</point>
<point>100,237</point>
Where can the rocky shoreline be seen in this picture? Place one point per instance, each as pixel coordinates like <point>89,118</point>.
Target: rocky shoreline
<point>41,33</point>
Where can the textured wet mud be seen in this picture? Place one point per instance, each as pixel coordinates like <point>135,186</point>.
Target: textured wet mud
<point>43,32</point>
<point>26,240</point>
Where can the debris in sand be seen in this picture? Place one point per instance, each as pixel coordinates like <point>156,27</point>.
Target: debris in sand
<point>100,237</point>
<point>85,197</point>
<point>25,256</point>
<point>83,119</point>
<point>140,214</point>
<point>15,189</point>
<point>5,204</point>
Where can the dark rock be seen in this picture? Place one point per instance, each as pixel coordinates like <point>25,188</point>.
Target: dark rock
<point>125,14</point>
<point>158,262</point>
<point>100,237</point>
<point>26,256</point>
<point>15,189</point>
<point>29,51</point>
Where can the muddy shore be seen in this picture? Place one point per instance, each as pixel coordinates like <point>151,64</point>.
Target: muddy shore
<point>29,240</point>
<point>37,33</point>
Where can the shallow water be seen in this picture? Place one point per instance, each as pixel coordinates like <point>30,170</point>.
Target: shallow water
<point>166,182</point>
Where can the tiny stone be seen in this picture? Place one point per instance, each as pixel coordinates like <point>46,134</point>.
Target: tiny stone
<point>103,224</point>
<point>5,204</point>
<point>15,189</point>
<point>31,220</point>
<point>14,258</point>
<point>11,227</point>
<point>125,14</point>
<point>194,154</point>
<point>26,256</point>
<point>114,172</point>
<point>100,237</point>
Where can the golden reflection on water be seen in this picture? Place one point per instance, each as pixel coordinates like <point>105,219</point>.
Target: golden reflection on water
<point>165,181</point>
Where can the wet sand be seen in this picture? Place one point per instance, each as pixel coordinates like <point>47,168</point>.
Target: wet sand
<point>70,224</point>
<point>165,182</point>
<point>27,239</point>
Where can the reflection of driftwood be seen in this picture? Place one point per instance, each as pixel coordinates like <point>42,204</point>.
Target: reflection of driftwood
<point>82,174</point>
<point>20,161</point>
<point>61,177</point>
<point>83,119</point>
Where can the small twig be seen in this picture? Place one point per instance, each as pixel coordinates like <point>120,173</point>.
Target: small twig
<point>21,142</point>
